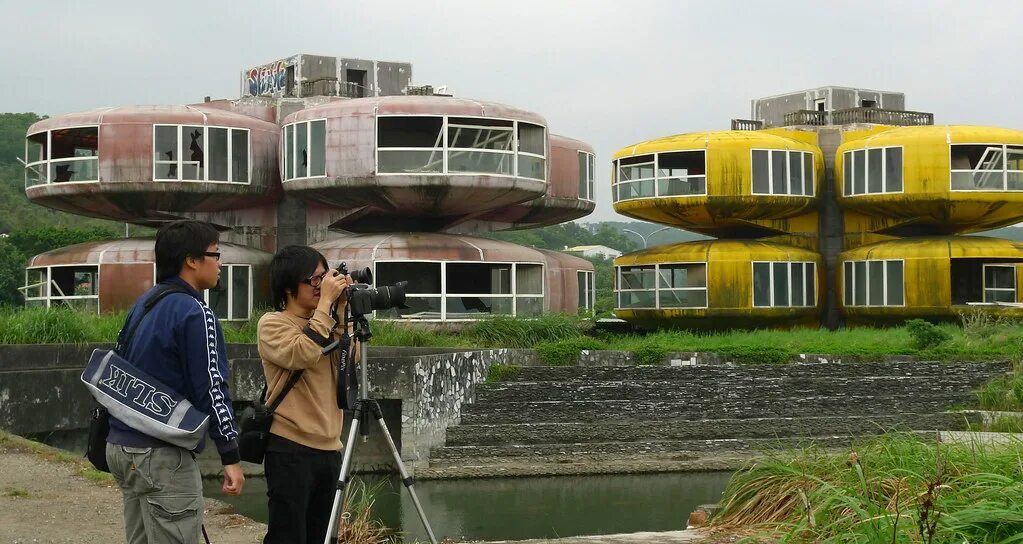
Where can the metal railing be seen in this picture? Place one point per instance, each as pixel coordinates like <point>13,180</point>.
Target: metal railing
<point>747,124</point>
<point>330,86</point>
<point>807,117</point>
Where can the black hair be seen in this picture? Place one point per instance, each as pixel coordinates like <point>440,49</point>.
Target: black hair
<point>178,240</point>
<point>290,266</point>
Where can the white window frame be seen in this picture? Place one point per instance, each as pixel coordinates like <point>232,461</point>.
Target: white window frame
<point>444,294</point>
<point>230,293</point>
<point>657,287</point>
<point>848,185</point>
<point>616,179</point>
<point>180,161</point>
<point>294,150</point>
<point>47,160</point>
<point>588,176</point>
<point>587,280</point>
<point>788,178</point>
<point>791,264</point>
<point>985,288</point>
<point>445,151</point>
<point>884,282</point>
<point>49,286</point>
<point>1005,168</point>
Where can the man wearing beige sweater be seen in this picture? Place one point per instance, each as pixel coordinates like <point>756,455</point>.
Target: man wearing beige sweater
<point>303,460</point>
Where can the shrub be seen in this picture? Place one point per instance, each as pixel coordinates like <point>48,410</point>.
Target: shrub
<point>925,335</point>
<point>511,332</point>
<point>499,372</point>
<point>566,352</point>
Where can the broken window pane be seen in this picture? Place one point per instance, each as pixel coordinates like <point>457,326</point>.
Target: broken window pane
<point>633,168</point>
<point>479,278</point>
<point>529,279</point>
<point>683,275</point>
<point>463,307</point>
<point>497,138</point>
<point>531,139</point>
<point>683,299</point>
<point>35,148</point>
<point>423,278</point>
<point>482,162</point>
<point>218,154</point>
<point>415,131</point>
<point>637,277</point>
<point>240,156</point>
<point>68,143</point>
<point>194,160</point>
<point>318,148</point>
<point>35,280</point>
<point>302,150</point>
<point>681,173</point>
<point>977,167</point>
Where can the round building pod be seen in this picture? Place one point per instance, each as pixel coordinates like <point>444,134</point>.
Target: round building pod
<point>108,277</point>
<point>718,284</point>
<point>461,278</point>
<point>729,183</point>
<point>136,163</point>
<point>937,277</point>
<point>932,179</point>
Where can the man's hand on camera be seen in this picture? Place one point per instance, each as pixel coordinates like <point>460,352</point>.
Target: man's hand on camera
<point>234,479</point>
<point>334,288</point>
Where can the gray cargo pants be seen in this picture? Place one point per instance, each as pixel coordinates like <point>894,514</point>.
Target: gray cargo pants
<point>162,492</point>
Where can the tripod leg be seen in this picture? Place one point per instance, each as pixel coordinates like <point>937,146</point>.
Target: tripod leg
<point>407,480</point>
<point>342,481</point>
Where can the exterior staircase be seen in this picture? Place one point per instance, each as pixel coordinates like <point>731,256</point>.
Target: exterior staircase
<point>586,420</point>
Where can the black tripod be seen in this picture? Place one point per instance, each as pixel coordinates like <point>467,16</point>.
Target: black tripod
<point>363,408</point>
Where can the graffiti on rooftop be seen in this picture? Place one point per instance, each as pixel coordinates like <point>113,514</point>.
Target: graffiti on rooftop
<point>269,79</point>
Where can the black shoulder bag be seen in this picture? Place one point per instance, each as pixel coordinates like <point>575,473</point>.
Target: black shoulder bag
<point>99,423</point>
<point>256,421</point>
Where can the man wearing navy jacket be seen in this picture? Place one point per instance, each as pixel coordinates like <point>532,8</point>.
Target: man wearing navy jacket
<point>180,343</point>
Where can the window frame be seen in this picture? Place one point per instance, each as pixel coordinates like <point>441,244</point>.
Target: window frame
<point>179,162</point>
<point>229,272</point>
<point>587,282</point>
<point>48,283</point>
<point>283,153</point>
<point>616,178</point>
<point>806,277</point>
<point>443,295</point>
<point>587,178</point>
<point>657,286</point>
<point>1005,168</point>
<point>849,280</point>
<point>848,187</point>
<point>48,160</point>
<point>788,177</point>
<point>985,288</point>
<point>445,150</point>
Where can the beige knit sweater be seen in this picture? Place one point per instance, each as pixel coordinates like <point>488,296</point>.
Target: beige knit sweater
<point>309,414</point>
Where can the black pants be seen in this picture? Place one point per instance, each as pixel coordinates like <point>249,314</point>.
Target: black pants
<point>300,485</point>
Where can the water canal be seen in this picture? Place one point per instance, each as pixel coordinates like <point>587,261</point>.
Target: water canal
<point>520,508</point>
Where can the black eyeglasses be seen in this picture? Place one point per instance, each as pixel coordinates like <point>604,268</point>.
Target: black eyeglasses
<point>315,280</point>
<point>214,254</point>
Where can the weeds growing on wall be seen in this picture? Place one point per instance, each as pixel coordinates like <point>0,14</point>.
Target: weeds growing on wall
<point>892,488</point>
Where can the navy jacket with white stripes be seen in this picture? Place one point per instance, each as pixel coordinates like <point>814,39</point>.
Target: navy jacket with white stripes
<point>180,343</point>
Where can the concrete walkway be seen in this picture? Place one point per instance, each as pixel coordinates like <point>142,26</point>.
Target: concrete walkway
<point>670,537</point>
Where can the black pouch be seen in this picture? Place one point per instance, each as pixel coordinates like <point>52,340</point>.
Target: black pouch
<point>255,431</point>
<point>96,449</point>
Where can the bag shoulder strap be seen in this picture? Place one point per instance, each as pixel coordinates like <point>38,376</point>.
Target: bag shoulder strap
<point>287,387</point>
<point>159,295</point>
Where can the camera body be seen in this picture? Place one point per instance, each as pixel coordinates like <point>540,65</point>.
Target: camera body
<point>363,298</point>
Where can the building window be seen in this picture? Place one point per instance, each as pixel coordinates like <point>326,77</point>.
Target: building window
<point>784,284</point>
<point>463,291</point>
<point>305,150</point>
<point>231,299</point>
<point>73,286</point>
<point>874,283</point>
<point>872,171</point>
<point>587,292</point>
<point>999,283</point>
<point>986,167</point>
<point>62,155</point>
<point>670,174</point>
<point>200,153</point>
<point>782,172</point>
<point>675,285</point>
<point>586,175</point>
<point>461,145</point>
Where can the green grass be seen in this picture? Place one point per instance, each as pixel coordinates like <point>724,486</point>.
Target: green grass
<point>16,492</point>
<point>893,488</point>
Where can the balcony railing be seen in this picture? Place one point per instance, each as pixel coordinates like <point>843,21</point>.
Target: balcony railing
<point>878,116</point>
<point>850,116</point>
<point>330,86</point>
<point>747,124</point>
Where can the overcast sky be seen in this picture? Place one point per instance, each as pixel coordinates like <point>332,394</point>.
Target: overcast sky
<point>610,73</point>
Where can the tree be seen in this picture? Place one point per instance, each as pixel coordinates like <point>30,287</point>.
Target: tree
<point>40,240</point>
<point>12,274</point>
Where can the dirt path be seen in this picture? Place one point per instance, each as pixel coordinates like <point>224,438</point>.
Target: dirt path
<point>51,496</point>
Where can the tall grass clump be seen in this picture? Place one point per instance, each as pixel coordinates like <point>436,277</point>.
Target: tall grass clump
<point>893,488</point>
<point>357,524</point>
<point>56,326</point>
<point>511,332</point>
<point>566,352</point>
